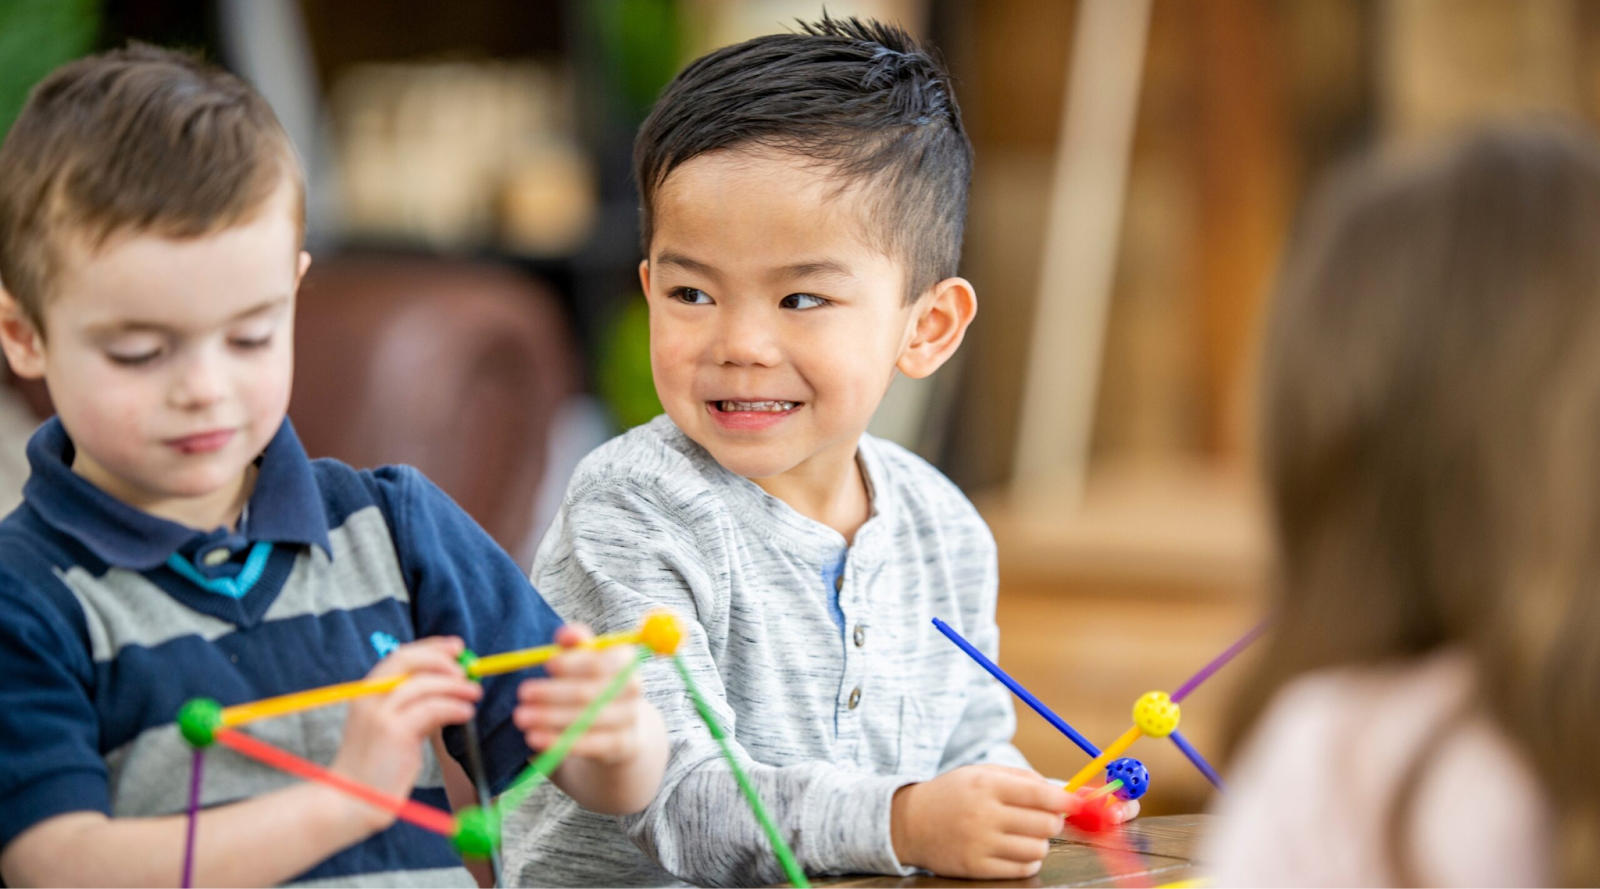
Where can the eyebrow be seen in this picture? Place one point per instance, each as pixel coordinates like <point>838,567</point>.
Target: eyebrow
<point>120,327</point>
<point>809,269</point>
<point>816,268</point>
<point>669,257</point>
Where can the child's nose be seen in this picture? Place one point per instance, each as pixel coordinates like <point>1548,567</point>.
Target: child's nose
<point>200,381</point>
<point>745,338</point>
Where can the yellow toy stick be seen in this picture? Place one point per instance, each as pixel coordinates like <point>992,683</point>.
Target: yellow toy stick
<point>660,630</point>
<point>307,700</point>
<point>1117,748</point>
<point>510,661</point>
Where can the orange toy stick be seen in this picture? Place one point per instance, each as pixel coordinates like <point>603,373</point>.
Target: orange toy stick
<point>425,817</point>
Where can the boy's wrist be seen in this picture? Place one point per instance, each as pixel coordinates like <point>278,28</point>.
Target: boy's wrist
<point>347,816</point>
<point>901,825</point>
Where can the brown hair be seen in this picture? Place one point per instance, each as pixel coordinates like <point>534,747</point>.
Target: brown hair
<point>1431,438</point>
<point>140,139</point>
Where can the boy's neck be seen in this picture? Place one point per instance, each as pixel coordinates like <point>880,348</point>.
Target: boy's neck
<point>220,508</point>
<point>829,488</point>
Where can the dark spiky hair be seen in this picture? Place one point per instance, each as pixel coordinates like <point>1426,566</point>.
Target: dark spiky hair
<point>860,96</point>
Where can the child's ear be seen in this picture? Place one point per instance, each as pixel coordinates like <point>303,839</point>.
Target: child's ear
<point>21,340</point>
<point>301,264</point>
<point>644,276</point>
<point>941,320</point>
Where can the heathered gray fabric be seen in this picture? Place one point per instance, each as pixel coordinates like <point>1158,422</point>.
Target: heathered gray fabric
<point>439,876</point>
<point>651,520</point>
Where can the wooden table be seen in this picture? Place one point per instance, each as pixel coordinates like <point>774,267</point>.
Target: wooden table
<point>1146,852</point>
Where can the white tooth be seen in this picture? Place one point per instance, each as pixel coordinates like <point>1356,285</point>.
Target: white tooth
<point>763,406</point>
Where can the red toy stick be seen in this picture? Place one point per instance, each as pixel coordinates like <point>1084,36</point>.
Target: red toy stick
<point>425,817</point>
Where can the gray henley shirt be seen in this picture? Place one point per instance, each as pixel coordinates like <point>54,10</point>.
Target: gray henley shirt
<point>819,659</point>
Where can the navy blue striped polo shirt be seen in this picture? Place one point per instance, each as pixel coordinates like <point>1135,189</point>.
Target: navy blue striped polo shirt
<point>111,618</point>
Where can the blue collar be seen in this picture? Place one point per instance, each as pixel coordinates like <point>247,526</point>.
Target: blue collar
<point>286,506</point>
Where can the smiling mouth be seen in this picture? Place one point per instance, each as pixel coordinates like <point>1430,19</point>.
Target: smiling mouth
<point>761,407</point>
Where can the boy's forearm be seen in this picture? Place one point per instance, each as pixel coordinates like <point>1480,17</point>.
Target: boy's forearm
<point>701,829</point>
<point>258,842</point>
<point>621,789</point>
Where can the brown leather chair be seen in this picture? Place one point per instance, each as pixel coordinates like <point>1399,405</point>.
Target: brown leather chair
<point>454,367</point>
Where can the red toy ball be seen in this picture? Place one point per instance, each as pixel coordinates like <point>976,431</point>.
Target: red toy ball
<point>1094,817</point>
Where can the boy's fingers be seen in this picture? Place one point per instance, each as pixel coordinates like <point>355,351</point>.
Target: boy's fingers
<point>1022,849</point>
<point>570,635</point>
<point>605,663</point>
<point>1124,810</point>
<point>569,691</point>
<point>435,655</point>
<point>558,718</point>
<point>424,686</point>
<point>1006,869</point>
<point>1029,822</point>
<point>1033,793</point>
<point>425,717</point>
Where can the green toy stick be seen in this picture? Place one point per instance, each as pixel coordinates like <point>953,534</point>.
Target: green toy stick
<point>786,858</point>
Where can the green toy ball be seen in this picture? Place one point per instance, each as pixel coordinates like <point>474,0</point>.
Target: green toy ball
<point>477,832</point>
<point>198,721</point>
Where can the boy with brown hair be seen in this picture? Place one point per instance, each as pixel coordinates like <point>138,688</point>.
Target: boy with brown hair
<point>175,541</point>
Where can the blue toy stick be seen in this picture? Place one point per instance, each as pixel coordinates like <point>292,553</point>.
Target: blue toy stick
<point>1017,689</point>
<point>1198,760</point>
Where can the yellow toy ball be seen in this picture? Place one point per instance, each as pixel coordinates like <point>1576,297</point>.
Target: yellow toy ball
<point>1156,715</point>
<point>661,631</point>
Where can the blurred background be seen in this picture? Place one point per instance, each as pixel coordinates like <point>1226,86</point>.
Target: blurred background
<point>474,306</point>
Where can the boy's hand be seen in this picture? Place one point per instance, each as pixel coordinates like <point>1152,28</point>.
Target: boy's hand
<point>546,707</point>
<point>1107,812</point>
<point>980,822</point>
<point>385,734</point>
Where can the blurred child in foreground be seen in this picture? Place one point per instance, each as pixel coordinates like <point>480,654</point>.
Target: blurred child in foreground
<point>1426,712</point>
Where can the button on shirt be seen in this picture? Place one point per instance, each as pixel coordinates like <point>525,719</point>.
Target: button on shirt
<point>830,727</point>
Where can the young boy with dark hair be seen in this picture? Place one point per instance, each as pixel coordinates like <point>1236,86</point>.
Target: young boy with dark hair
<point>803,203</point>
<point>175,541</point>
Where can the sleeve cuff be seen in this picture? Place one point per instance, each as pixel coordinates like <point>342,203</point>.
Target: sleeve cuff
<point>846,826</point>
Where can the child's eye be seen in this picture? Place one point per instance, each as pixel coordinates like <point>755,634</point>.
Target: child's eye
<point>690,296</point>
<point>133,359</point>
<point>248,343</point>
<point>802,301</point>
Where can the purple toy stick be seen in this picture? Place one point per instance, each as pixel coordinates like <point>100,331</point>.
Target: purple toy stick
<point>194,815</point>
<point>1220,661</point>
<point>1198,760</point>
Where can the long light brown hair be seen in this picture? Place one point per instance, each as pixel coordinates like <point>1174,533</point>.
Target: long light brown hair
<point>1431,444</point>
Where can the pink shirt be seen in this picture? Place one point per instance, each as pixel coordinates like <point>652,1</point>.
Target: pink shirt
<point>1310,792</point>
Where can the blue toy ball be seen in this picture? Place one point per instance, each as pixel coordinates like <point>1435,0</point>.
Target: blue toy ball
<point>1134,776</point>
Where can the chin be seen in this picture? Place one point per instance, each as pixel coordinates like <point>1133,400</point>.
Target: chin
<point>198,484</point>
<point>752,463</point>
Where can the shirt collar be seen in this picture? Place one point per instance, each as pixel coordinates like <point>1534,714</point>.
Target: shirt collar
<point>285,507</point>
<point>784,526</point>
